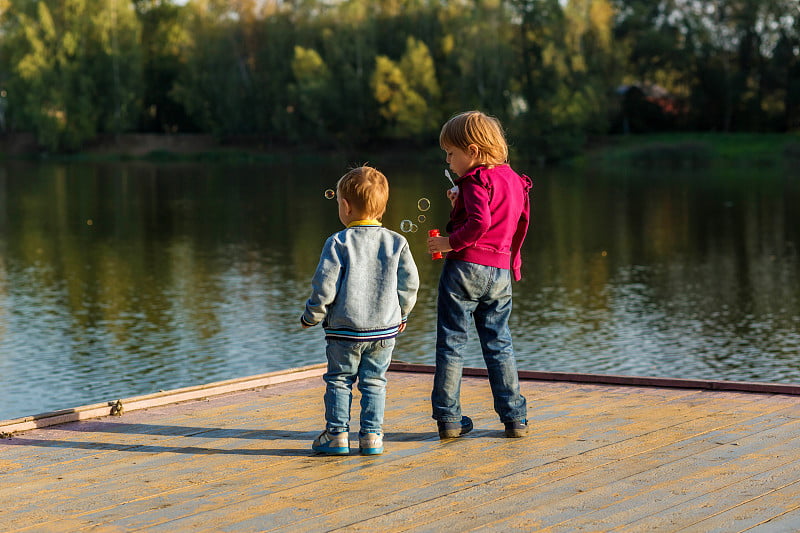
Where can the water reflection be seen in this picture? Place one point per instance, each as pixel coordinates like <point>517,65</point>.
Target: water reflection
<point>196,273</point>
<point>670,275</point>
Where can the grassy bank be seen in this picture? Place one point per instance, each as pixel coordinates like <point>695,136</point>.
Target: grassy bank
<point>694,150</point>
<point>160,148</point>
<point>679,150</point>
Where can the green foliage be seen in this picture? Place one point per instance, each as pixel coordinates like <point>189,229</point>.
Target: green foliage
<point>216,80</point>
<point>359,73</point>
<point>723,150</point>
<point>163,39</point>
<point>403,90</point>
<point>572,66</point>
<point>727,63</point>
<point>312,87</point>
<point>76,68</point>
<point>114,64</point>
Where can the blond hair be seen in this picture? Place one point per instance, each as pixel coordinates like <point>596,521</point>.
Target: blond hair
<point>366,189</point>
<point>480,129</point>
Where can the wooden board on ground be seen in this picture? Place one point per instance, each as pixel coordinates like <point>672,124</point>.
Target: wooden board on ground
<point>599,458</point>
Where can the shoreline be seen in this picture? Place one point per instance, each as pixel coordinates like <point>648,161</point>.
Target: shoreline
<point>166,148</point>
<point>695,149</point>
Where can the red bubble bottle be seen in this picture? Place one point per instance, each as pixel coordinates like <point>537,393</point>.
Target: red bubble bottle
<point>434,233</point>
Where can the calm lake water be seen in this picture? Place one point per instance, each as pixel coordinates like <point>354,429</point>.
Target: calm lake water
<point>127,278</point>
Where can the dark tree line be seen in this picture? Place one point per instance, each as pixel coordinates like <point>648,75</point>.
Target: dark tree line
<point>360,72</point>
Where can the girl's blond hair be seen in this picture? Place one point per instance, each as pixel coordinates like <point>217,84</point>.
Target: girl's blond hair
<point>480,129</point>
<point>367,190</point>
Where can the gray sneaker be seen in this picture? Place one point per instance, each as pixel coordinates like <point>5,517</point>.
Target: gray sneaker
<point>516,429</point>
<point>451,430</point>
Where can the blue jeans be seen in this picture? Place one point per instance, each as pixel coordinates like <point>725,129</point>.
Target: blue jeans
<point>470,292</point>
<point>348,361</point>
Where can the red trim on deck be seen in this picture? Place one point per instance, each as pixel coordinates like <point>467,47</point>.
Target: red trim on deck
<point>637,381</point>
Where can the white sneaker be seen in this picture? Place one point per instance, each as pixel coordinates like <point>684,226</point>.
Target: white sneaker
<point>332,443</point>
<point>370,443</point>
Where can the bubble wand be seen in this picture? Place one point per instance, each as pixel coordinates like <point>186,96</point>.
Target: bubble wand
<point>435,232</point>
<point>447,175</point>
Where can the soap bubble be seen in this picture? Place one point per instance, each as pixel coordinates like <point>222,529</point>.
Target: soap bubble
<point>414,228</point>
<point>406,225</point>
<point>423,204</point>
<point>421,218</point>
<point>330,194</point>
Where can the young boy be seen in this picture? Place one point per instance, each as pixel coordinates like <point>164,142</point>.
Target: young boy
<point>363,290</point>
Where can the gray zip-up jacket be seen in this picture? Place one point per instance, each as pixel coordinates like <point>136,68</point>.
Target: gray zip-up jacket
<point>365,285</point>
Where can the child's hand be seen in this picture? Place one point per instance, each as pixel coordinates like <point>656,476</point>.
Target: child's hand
<point>402,328</point>
<point>438,244</point>
<point>452,194</point>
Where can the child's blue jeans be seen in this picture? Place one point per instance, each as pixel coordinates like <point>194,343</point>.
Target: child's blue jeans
<point>469,292</point>
<point>367,362</point>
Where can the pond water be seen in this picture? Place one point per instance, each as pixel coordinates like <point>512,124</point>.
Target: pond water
<point>126,278</point>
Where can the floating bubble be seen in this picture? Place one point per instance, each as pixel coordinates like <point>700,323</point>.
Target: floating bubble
<point>421,218</point>
<point>423,204</point>
<point>414,228</point>
<point>405,226</point>
<point>330,194</point>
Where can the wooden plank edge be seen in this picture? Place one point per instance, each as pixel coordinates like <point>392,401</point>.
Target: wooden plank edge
<point>7,427</point>
<point>633,381</point>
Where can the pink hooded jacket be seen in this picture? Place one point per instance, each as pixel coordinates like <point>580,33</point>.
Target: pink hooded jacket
<point>490,218</point>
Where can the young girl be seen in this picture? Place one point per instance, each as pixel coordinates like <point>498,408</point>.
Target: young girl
<point>487,226</point>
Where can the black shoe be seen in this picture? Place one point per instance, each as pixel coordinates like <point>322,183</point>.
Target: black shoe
<point>516,429</point>
<point>451,430</point>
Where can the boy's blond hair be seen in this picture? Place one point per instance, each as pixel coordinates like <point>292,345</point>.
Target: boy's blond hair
<point>367,190</point>
<point>480,129</point>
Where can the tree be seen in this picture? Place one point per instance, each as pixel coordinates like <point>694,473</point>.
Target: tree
<point>732,44</point>
<point>76,66</point>
<point>418,67</point>
<point>482,35</point>
<point>783,78</point>
<point>216,84</point>
<point>115,63</point>
<point>569,67</point>
<point>311,88</point>
<point>163,38</point>
<point>358,72</point>
<point>404,89</point>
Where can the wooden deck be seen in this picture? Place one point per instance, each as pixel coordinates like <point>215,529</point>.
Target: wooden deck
<point>599,458</point>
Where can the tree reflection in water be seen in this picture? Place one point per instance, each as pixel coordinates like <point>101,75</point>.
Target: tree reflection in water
<point>119,279</point>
